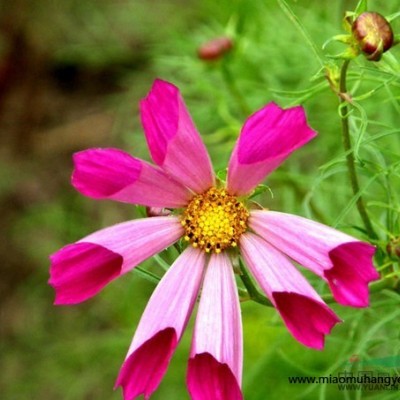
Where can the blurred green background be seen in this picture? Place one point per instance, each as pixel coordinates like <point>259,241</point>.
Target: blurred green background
<point>71,75</point>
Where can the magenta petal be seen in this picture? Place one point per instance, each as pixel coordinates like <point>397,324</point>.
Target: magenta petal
<point>351,272</point>
<point>209,379</point>
<point>306,316</point>
<point>79,271</point>
<point>268,137</point>
<point>216,356</point>
<point>143,370</point>
<point>342,260</point>
<point>307,319</point>
<point>174,143</point>
<point>161,326</point>
<point>114,174</point>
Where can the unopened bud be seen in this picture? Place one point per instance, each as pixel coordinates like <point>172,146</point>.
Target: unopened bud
<point>373,34</point>
<point>215,48</point>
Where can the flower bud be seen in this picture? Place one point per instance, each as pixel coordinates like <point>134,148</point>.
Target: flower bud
<point>373,34</point>
<point>215,48</point>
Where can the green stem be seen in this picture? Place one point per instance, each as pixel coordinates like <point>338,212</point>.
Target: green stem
<point>235,92</point>
<point>252,291</point>
<point>297,23</point>
<point>147,275</point>
<point>351,166</point>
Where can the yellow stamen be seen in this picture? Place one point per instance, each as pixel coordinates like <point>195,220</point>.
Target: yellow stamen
<point>214,220</point>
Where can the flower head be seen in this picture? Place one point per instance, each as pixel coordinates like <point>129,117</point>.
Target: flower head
<point>215,221</point>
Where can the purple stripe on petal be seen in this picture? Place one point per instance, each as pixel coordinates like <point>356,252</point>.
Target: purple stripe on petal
<point>79,271</point>
<point>306,316</point>
<point>268,137</point>
<point>174,143</point>
<point>114,174</point>
<point>217,341</point>
<point>342,260</point>
<point>161,326</point>
<point>209,379</point>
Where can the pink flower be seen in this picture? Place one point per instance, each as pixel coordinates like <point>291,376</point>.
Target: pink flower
<point>216,222</point>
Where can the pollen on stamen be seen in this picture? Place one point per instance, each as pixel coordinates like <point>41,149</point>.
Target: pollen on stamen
<point>214,220</point>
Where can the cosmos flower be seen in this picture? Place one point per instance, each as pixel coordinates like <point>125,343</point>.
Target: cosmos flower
<point>216,223</point>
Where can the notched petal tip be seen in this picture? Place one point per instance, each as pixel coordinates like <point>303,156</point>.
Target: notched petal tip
<point>307,319</point>
<point>209,379</point>
<point>142,371</point>
<point>79,271</point>
<point>272,133</point>
<point>351,273</point>
<point>267,138</point>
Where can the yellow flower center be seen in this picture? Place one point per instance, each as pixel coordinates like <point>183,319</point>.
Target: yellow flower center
<point>214,220</point>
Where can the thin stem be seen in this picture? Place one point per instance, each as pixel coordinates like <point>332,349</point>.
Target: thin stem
<point>163,264</point>
<point>344,113</point>
<point>235,92</point>
<point>252,291</point>
<point>297,23</point>
<point>148,275</point>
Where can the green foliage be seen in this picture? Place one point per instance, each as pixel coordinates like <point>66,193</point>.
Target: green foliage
<point>278,55</point>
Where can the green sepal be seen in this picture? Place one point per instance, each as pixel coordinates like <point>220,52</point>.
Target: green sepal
<point>349,54</point>
<point>261,189</point>
<point>392,17</point>
<point>361,7</point>
<point>344,38</point>
<point>348,20</point>
<point>221,174</point>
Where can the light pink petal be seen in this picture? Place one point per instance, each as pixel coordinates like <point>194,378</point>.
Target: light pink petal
<point>268,137</point>
<point>114,174</point>
<point>306,316</point>
<point>79,271</point>
<point>161,326</point>
<point>342,260</point>
<point>216,357</point>
<point>174,143</point>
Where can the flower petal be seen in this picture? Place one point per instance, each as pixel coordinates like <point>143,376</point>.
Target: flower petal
<point>173,140</point>
<point>343,261</point>
<point>268,137</point>
<point>114,174</point>
<point>215,365</point>
<point>306,316</point>
<point>162,325</point>
<point>79,271</point>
